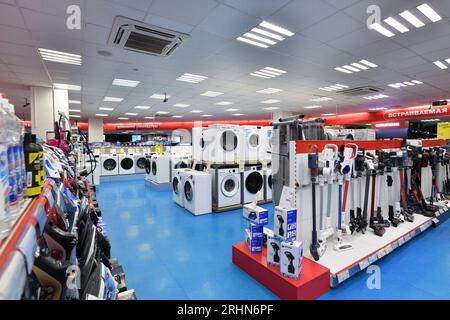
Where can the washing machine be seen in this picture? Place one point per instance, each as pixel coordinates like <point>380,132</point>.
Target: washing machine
<point>109,163</point>
<point>252,184</point>
<point>226,182</point>
<point>160,172</point>
<point>268,185</point>
<point>177,186</point>
<point>197,191</point>
<point>198,143</point>
<point>139,163</point>
<point>180,162</point>
<point>265,154</point>
<point>126,164</point>
<point>148,168</point>
<point>250,143</point>
<point>222,144</point>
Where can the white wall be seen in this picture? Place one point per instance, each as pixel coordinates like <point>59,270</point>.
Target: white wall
<point>42,117</point>
<point>96,130</point>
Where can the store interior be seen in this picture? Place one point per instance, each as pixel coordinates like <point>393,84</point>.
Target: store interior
<point>224,149</point>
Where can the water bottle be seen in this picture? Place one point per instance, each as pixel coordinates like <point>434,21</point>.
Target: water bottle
<point>5,220</point>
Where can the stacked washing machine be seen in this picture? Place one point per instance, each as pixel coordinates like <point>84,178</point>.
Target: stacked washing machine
<point>160,169</point>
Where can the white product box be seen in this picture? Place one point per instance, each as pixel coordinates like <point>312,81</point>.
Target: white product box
<point>285,223</point>
<point>291,259</point>
<point>273,251</point>
<point>256,214</point>
<point>254,245</point>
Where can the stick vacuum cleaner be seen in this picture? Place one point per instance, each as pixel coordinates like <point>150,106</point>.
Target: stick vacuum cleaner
<point>328,157</point>
<point>313,165</point>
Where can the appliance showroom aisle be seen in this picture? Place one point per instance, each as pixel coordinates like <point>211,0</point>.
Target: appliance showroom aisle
<point>169,254</point>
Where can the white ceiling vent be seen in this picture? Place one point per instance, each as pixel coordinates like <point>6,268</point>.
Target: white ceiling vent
<point>140,37</point>
<point>360,91</point>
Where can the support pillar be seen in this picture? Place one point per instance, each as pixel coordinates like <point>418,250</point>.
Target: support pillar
<point>96,133</point>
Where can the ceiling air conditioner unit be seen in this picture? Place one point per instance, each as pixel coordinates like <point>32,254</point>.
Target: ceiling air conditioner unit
<point>140,37</point>
<point>360,91</point>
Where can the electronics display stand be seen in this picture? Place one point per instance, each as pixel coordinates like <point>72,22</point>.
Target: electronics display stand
<point>313,282</point>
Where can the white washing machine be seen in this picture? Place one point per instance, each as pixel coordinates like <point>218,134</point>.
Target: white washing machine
<point>139,162</point>
<point>226,183</point>
<point>109,164</point>
<point>250,143</point>
<point>126,164</point>
<point>268,185</point>
<point>198,143</point>
<point>180,162</point>
<point>252,184</point>
<point>222,143</point>
<point>160,169</point>
<point>148,168</point>
<point>197,191</point>
<point>177,185</point>
<point>266,134</point>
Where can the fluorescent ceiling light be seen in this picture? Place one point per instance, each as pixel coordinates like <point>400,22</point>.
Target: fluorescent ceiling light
<point>112,99</point>
<point>321,99</point>
<point>142,107</point>
<point>341,85</point>
<point>162,112</point>
<point>440,65</point>
<point>275,70</point>
<point>232,110</point>
<point>130,114</point>
<point>360,66</point>
<point>211,94</point>
<point>74,102</point>
<point>252,42</point>
<point>276,28</point>
<point>343,70</point>
<point>369,64</point>
<point>238,114</point>
<point>269,72</point>
<point>224,103</point>
<point>328,114</point>
<point>207,115</point>
<point>74,116</point>
<point>101,114</point>
<point>396,25</point>
<point>417,82</point>
<point>59,56</point>
<point>387,125</point>
<point>269,91</point>
<point>271,108</point>
<point>270,101</point>
<point>181,105</point>
<point>429,12</point>
<point>313,107</point>
<point>64,86</point>
<point>351,68</point>
<point>149,117</point>
<point>377,109</point>
<point>409,83</point>
<point>408,16</point>
<point>259,38</point>
<point>260,76</point>
<point>430,120</point>
<point>177,116</point>
<point>394,85</point>
<point>268,34</point>
<point>193,78</point>
<point>159,96</point>
<point>265,74</point>
<point>125,83</point>
<point>196,111</point>
<point>379,28</point>
<point>122,118</point>
<point>74,110</point>
<point>105,109</point>
<point>326,89</point>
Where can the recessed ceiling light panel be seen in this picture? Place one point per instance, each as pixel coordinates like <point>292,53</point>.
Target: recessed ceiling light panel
<point>192,78</point>
<point>125,83</point>
<point>269,91</point>
<point>60,57</point>
<point>265,35</point>
<point>112,99</point>
<point>211,94</point>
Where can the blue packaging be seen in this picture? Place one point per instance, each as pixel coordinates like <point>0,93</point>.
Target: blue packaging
<point>256,231</point>
<point>285,224</point>
<point>256,214</point>
<point>254,245</point>
<point>12,177</point>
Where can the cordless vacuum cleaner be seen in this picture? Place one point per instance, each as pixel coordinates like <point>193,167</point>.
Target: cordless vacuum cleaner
<point>358,169</point>
<point>369,166</point>
<point>328,158</point>
<point>276,248</point>
<point>313,165</point>
<point>344,169</point>
<point>375,224</point>
<point>391,201</point>
<point>404,163</point>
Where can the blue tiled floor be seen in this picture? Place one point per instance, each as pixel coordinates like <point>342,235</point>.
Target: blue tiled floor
<point>168,253</point>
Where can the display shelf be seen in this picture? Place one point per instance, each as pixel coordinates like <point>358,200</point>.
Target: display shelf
<point>313,283</point>
<point>367,248</point>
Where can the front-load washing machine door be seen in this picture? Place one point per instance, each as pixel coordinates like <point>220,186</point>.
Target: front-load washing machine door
<point>127,163</point>
<point>176,185</point>
<point>109,164</point>
<point>269,181</point>
<point>230,186</point>
<point>189,190</point>
<point>140,163</point>
<point>148,166</point>
<point>229,140</point>
<point>154,168</point>
<point>181,165</point>
<point>253,140</point>
<point>254,182</point>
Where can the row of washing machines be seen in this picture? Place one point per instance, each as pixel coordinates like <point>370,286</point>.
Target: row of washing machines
<point>122,164</point>
<point>221,187</point>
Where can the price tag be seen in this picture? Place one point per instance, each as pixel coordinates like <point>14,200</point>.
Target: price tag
<point>401,241</point>
<point>407,237</point>
<point>364,264</point>
<point>423,227</point>
<point>373,258</point>
<point>435,220</point>
<point>381,253</point>
<point>388,249</point>
<point>344,275</point>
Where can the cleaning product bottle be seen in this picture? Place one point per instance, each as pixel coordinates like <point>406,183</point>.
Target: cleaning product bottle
<point>4,174</point>
<point>34,165</point>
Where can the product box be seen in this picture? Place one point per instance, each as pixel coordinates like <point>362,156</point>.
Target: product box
<point>285,223</point>
<point>273,251</point>
<point>291,259</point>
<point>267,233</point>
<point>254,245</point>
<point>256,230</point>
<point>256,214</point>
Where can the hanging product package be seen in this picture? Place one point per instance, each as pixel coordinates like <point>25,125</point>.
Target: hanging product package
<point>34,165</point>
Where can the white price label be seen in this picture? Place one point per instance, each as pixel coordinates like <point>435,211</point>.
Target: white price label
<point>373,258</point>
<point>401,241</point>
<point>344,275</point>
<point>423,227</point>
<point>364,264</point>
<point>381,253</point>
<point>436,220</point>
<point>388,249</point>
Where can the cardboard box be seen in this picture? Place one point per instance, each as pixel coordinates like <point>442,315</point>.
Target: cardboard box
<point>256,215</point>
<point>254,245</point>
<point>273,251</point>
<point>291,259</point>
<point>256,230</point>
<point>285,224</point>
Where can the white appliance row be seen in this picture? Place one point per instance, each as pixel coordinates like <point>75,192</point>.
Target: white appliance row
<point>228,144</point>
<point>190,190</point>
<point>161,167</point>
<point>123,164</point>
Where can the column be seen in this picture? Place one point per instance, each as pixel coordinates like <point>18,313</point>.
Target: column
<point>96,130</point>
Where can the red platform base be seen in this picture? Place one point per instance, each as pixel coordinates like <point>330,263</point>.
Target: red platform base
<point>314,281</point>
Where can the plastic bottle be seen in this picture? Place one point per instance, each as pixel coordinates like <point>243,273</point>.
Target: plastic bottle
<point>4,174</point>
<point>34,165</point>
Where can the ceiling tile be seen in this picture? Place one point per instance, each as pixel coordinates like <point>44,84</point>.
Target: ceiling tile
<point>257,8</point>
<point>10,16</point>
<point>191,12</point>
